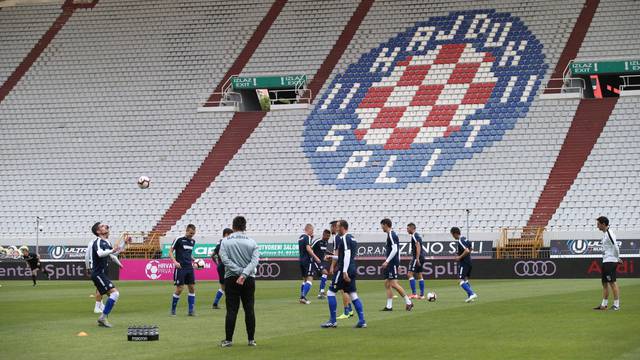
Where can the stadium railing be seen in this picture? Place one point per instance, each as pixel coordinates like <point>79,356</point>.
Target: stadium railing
<point>520,243</point>
<point>142,245</point>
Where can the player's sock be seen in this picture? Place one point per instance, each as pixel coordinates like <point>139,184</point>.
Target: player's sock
<point>323,282</point>
<point>421,283</point>
<point>358,305</point>
<point>407,300</point>
<point>333,305</point>
<point>98,304</point>
<point>467,287</point>
<point>390,303</point>
<point>412,283</point>
<point>111,302</point>
<point>305,288</point>
<point>33,277</point>
<point>302,289</point>
<point>219,294</point>
<point>192,301</point>
<point>347,309</point>
<point>616,303</point>
<point>605,302</point>
<point>174,302</point>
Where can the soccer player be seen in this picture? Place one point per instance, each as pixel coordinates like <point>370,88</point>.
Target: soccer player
<point>417,259</point>
<point>345,276</point>
<point>308,262</point>
<point>220,265</point>
<point>101,249</point>
<point>390,266</point>
<point>346,300</point>
<point>319,247</point>
<point>464,263</point>
<point>99,307</point>
<point>610,260</point>
<point>180,254</point>
<point>33,260</point>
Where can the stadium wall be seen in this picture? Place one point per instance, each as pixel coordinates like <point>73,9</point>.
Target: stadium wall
<point>367,269</point>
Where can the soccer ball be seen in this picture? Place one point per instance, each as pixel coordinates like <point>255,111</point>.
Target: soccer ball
<point>144,182</point>
<point>431,296</point>
<point>199,263</point>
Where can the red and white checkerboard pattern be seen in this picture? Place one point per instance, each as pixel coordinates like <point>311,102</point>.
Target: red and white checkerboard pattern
<point>426,97</point>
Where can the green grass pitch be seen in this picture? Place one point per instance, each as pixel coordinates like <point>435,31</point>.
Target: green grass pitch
<point>513,319</point>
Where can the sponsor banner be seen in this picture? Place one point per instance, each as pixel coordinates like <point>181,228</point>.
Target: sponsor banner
<point>591,248</point>
<point>62,270</point>
<point>279,250</point>
<point>161,269</point>
<point>199,250</point>
<point>369,269</point>
<point>56,252</point>
<point>60,252</point>
<point>13,252</point>
<point>267,250</point>
<point>431,249</point>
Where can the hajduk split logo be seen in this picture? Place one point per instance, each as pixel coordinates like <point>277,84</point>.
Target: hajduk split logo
<point>410,108</point>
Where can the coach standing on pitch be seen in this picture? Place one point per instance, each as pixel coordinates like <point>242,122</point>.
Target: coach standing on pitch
<point>240,257</point>
<point>610,260</point>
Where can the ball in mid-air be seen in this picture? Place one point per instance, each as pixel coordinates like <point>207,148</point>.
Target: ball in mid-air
<point>431,296</point>
<point>199,263</point>
<point>144,182</point>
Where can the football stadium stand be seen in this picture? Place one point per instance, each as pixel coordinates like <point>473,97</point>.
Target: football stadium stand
<point>421,110</point>
<point>20,29</point>
<point>113,97</point>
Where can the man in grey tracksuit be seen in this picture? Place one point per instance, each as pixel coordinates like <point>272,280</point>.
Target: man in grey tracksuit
<point>610,261</point>
<point>240,256</point>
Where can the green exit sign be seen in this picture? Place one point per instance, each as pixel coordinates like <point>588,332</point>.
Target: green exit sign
<point>605,67</point>
<point>268,82</point>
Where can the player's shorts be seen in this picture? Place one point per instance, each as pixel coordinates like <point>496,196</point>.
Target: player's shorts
<point>221,271</point>
<point>338,283</point>
<point>391,272</point>
<point>183,277</point>
<point>464,270</point>
<point>609,272</point>
<point>37,267</point>
<point>414,267</point>
<point>102,283</point>
<point>307,268</point>
<point>320,267</point>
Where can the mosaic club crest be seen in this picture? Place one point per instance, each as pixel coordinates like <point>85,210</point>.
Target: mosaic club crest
<point>441,91</point>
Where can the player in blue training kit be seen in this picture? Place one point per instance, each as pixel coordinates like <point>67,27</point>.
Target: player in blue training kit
<point>346,300</point>
<point>417,259</point>
<point>100,251</point>
<point>390,266</point>
<point>345,276</point>
<point>220,266</point>
<point>308,262</point>
<point>319,247</point>
<point>183,274</point>
<point>464,263</point>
